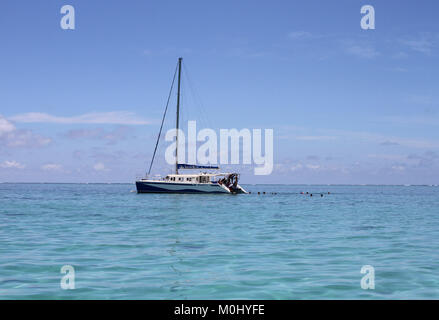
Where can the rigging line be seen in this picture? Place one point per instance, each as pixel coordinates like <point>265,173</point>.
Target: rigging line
<point>163,120</point>
<point>197,99</point>
<point>191,87</point>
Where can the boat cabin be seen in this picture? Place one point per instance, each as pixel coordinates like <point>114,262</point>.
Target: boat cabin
<point>190,178</point>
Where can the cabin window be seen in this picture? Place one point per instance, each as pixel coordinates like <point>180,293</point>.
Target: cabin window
<point>204,179</point>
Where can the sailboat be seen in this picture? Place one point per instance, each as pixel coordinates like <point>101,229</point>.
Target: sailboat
<point>202,182</point>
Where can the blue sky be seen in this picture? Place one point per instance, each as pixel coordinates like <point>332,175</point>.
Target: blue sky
<point>347,105</point>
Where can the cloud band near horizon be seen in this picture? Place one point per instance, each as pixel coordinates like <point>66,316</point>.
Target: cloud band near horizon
<point>114,117</point>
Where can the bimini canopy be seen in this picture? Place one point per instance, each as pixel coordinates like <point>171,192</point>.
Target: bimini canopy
<point>193,166</point>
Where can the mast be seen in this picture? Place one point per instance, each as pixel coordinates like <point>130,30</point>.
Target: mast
<point>178,113</point>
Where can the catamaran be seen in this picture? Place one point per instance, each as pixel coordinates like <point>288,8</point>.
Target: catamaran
<point>201,182</point>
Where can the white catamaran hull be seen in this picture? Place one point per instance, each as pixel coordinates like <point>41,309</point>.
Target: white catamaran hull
<point>150,186</point>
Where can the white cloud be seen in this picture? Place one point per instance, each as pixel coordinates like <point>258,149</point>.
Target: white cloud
<point>392,157</point>
<point>388,143</point>
<point>296,167</point>
<point>5,126</point>
<point>378,138</point>
<point>400,55</point>
<point>111,136</point>
<point>12,164</point>
<point>425,44</point>
<point>10,136</point>
<point>412,120</point>
<point>114,117</point>
<point>362,51</point>
<point>345,135</point>
<point>51,167</point>
<point>99,166</point>
<point>421,99</point>
<point>315,138</point>
<point>300,35</point>
<point>25,138</point>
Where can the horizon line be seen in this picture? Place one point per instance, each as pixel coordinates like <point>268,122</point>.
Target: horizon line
<point>248,184</point>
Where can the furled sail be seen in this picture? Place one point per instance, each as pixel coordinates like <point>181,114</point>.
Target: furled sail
<point>193,166</point>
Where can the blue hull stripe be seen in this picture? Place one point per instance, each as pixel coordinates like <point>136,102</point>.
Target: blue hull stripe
<point>146,188</point>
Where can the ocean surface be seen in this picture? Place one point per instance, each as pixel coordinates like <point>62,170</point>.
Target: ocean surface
<point>288,245</point>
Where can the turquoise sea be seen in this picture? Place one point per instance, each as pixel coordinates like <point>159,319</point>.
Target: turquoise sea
<point>124,245</point>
